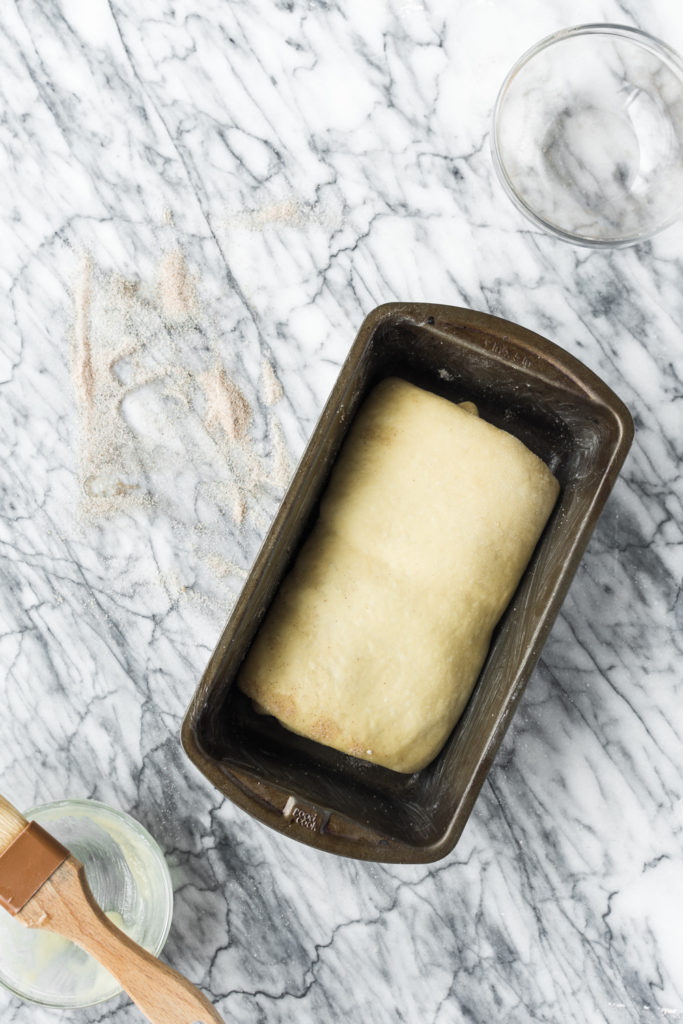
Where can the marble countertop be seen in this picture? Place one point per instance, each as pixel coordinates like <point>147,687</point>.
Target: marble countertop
<point>200,203</point>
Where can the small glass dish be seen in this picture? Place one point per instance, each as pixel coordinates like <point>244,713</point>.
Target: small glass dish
<point>587,135</point>
<point>129,879</point>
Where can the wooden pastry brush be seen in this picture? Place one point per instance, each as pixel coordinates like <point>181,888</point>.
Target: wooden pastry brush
<point>44,886</point>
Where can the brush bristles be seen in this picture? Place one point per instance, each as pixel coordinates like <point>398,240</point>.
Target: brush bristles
<point>11,824</point>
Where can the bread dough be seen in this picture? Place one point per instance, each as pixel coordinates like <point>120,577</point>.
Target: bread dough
<point>377,635</point>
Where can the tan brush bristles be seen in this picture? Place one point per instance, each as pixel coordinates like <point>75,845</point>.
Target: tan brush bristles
<point>11,824</point>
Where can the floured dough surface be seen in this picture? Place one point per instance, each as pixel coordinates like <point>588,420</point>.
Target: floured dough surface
<point>378,633</point>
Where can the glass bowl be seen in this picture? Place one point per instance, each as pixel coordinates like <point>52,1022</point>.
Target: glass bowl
<point>587,135</point>
<point>129,879</point>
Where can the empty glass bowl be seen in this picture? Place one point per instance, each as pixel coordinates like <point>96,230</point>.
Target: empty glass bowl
<point>588,135</point>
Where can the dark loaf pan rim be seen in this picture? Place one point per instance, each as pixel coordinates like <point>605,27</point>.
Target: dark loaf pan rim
<point>522,382</point>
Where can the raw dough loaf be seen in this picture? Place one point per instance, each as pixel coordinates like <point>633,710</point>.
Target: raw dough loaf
<point>377,635</point>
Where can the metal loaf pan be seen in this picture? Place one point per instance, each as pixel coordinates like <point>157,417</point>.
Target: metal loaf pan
<point>560,410</point>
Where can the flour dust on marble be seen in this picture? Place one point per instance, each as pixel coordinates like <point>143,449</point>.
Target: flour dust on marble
<point>160,414</point>
<point>288,211</point>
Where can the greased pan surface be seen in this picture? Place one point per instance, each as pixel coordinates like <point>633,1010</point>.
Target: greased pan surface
<point>561,411</point>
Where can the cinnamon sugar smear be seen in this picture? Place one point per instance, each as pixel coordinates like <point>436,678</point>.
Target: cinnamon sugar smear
<point>176,287</point>
<point>226,406</point>
<point>161,417</point>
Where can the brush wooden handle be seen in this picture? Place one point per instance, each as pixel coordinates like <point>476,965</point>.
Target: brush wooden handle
<point>65,905</point>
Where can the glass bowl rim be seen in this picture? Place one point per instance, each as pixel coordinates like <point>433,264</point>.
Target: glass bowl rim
<point>662,50</point>
<point>167,884</point>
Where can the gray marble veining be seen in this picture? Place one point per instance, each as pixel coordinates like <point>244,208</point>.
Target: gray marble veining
<point>311,160</point>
